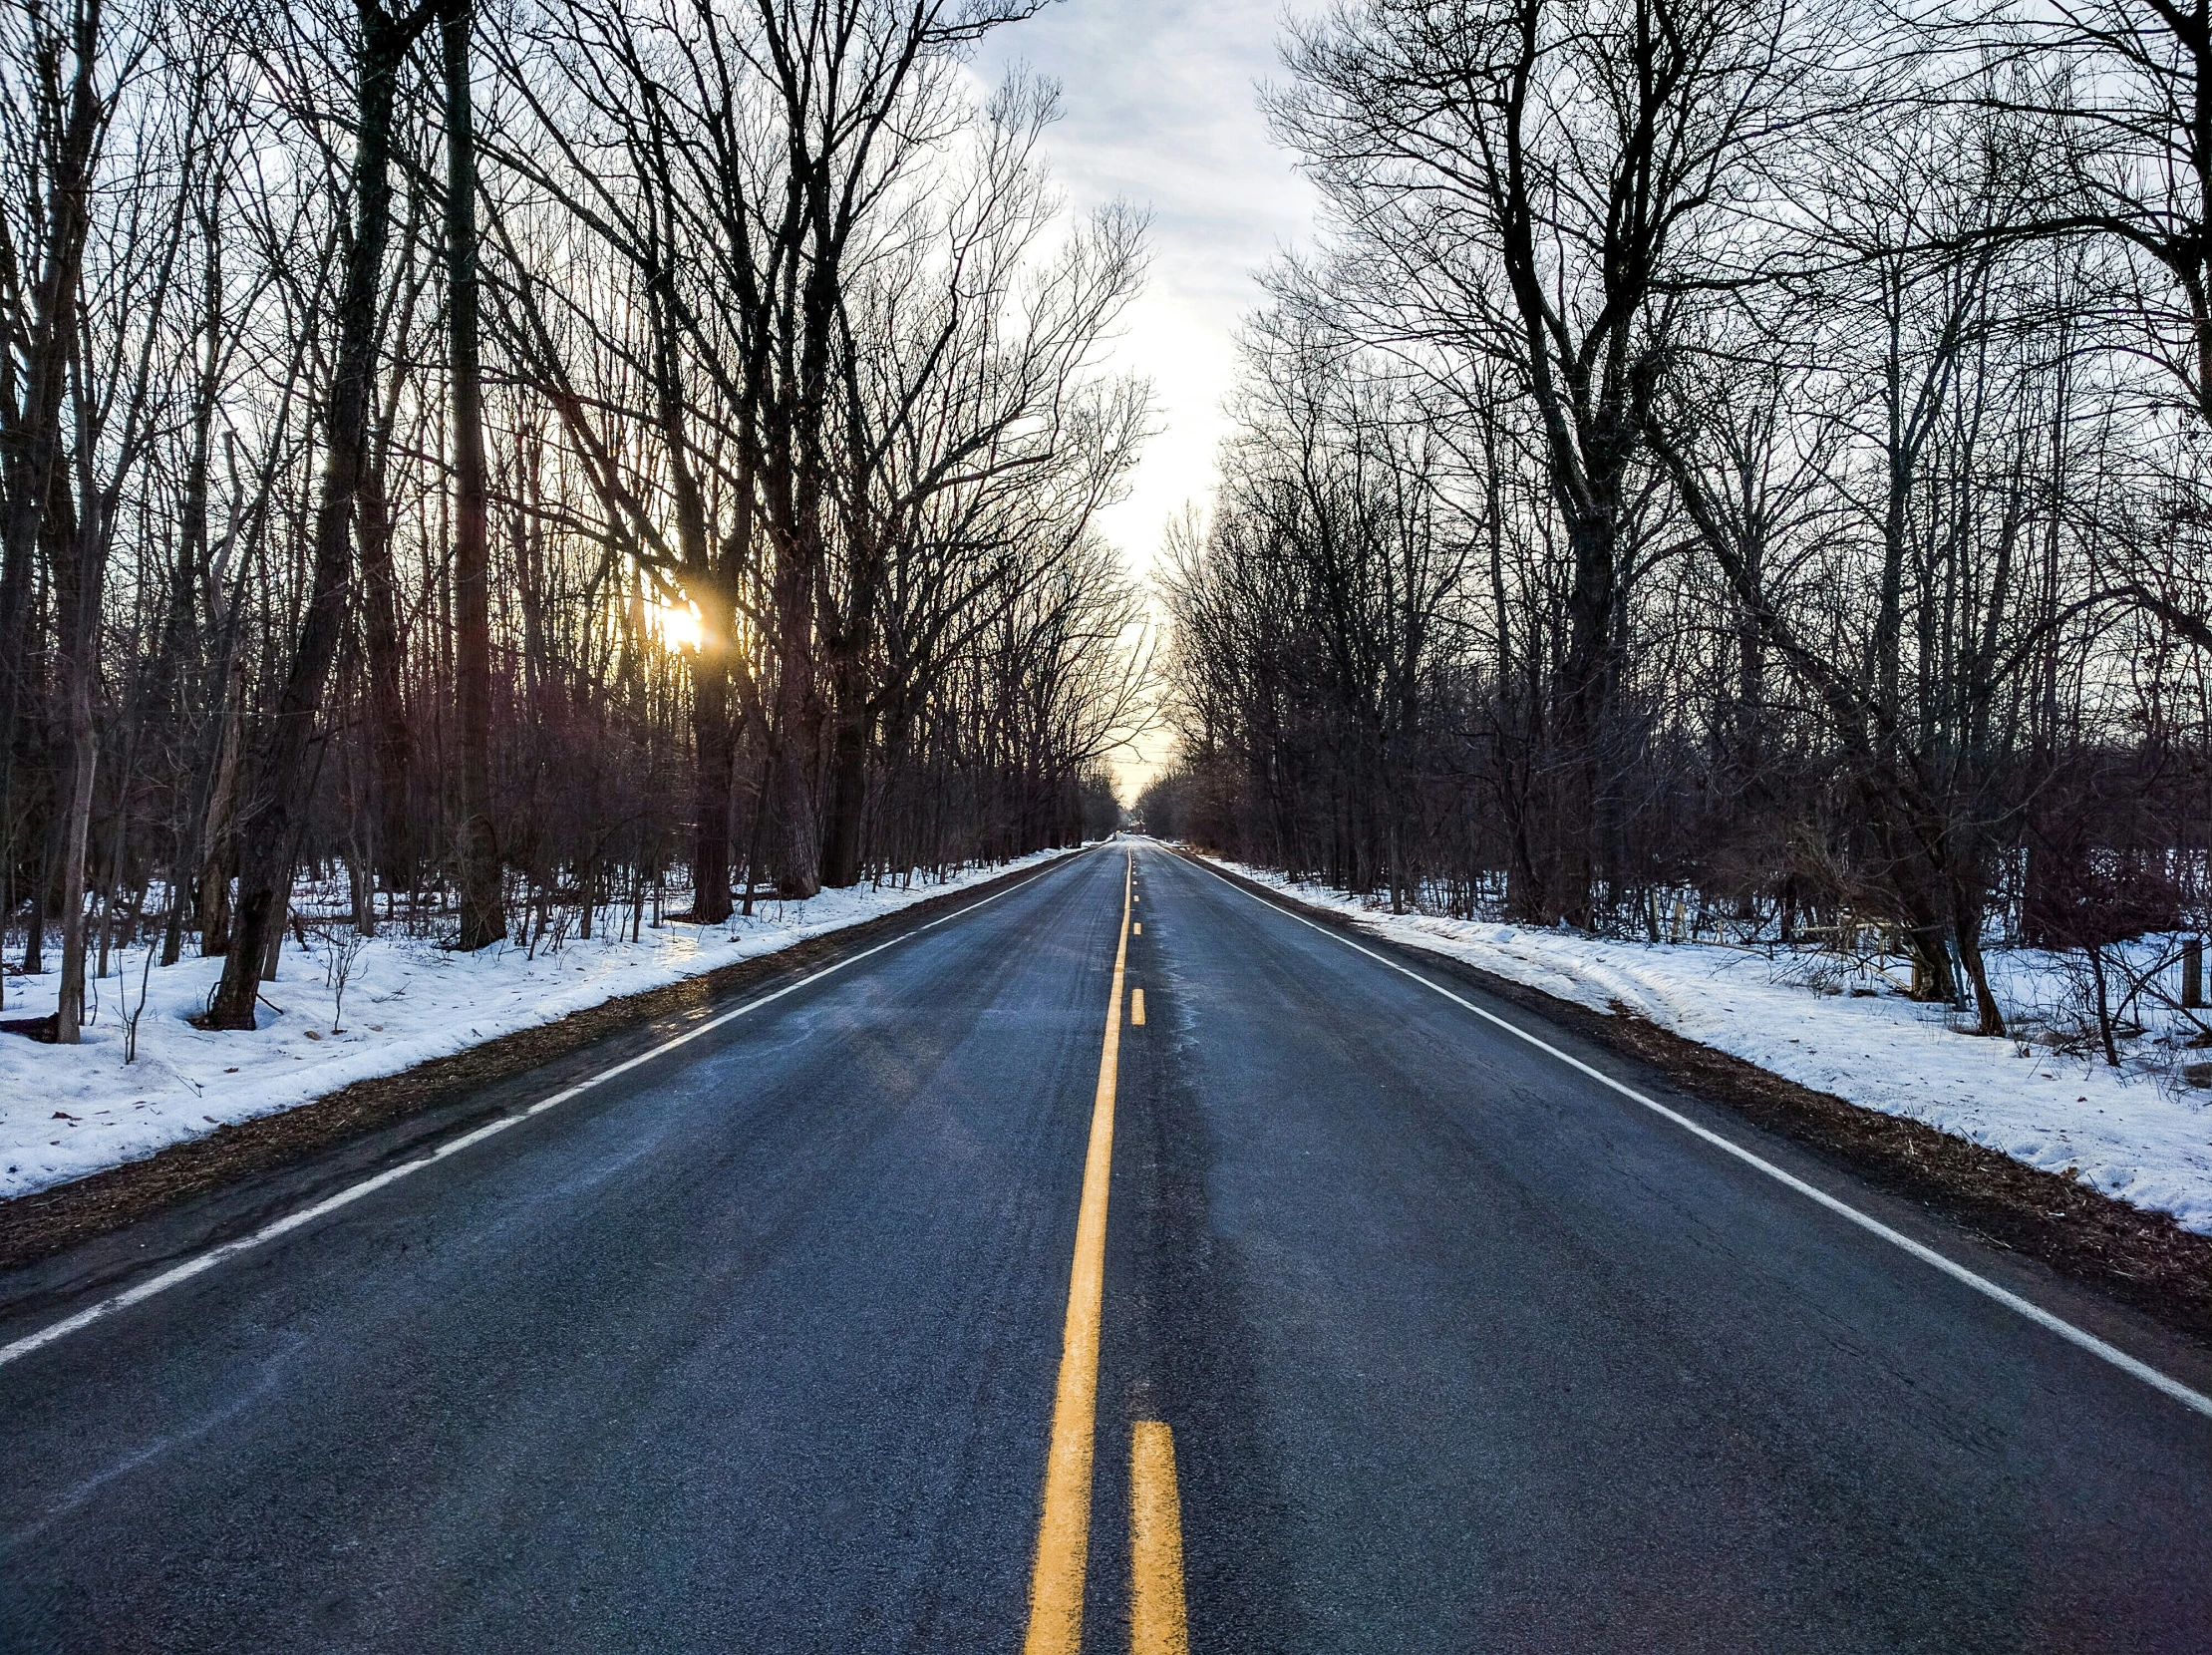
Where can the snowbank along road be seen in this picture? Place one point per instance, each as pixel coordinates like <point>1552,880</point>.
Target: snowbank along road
<point>1122,1261</point>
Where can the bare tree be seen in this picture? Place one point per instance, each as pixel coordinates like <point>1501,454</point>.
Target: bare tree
<point>1543,183</point>
<point>280,775</point>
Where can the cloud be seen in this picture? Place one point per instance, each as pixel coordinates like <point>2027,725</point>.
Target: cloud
<point>1159,109</point>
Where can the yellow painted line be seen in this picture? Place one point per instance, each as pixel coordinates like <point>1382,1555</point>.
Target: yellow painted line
<point>1156,1623</point>
<point>1137,1007</point>
<point>1064,1530</point>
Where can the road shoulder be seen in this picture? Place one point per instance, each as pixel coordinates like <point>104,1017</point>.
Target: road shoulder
<point>2142,1259</point>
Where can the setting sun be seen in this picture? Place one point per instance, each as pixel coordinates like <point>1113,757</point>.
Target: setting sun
<point>679,628</point>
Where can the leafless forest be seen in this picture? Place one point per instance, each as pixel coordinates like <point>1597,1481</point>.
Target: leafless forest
<point>1738,449</point>
<point>540,452</point>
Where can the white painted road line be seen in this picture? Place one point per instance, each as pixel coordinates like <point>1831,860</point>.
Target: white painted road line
<point>368,1187</point>
<point>2196,1401</point>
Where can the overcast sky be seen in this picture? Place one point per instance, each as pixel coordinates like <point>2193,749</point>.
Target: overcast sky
<point>1158,109</point>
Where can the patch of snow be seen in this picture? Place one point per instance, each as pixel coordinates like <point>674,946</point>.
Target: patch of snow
<point>2120,1130</point>
<point>70,1111</point>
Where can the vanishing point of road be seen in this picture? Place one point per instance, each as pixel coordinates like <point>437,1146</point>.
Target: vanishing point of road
<point>1121,1259</point>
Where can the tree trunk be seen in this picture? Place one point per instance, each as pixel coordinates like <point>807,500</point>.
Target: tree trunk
<point>396,850</point>
<point>69,1013</point>
<point>715,771</point>
<point>1967,911</point>
<point>213,846</point>
<point>269,829</point>
<point>796,846</point>
<point>752,839</point>
<point>849,785</point>
<point>35,455</point>
<point>1585,674</point>
<point>795,842</point>
<point>482,920</point>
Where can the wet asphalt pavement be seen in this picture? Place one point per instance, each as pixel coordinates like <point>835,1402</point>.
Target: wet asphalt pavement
<point>753,1349</point>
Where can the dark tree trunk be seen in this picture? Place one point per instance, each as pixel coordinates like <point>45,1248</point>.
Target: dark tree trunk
<point>215,840</point>
<point>269,829</point>
<point>714,737</point>
<point>794,834</point>
<point>849,784</point>
<point>1579,695</point>
<point>396,850</point>
<point>482,922</point>
<point>83,755</point>
<point>33,472</point>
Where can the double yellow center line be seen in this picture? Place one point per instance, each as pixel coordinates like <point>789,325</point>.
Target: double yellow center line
<point>1157,1621</point>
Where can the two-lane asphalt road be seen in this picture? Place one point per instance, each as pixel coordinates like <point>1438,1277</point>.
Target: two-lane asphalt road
<point>759,1346</point>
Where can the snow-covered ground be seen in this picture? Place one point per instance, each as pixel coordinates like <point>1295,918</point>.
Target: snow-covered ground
<point>68,1111</point>
<point>2132,1133</point>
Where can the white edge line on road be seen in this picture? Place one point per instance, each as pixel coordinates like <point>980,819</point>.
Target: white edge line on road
<point>392,1174</point>
<point>2196,1401</point>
